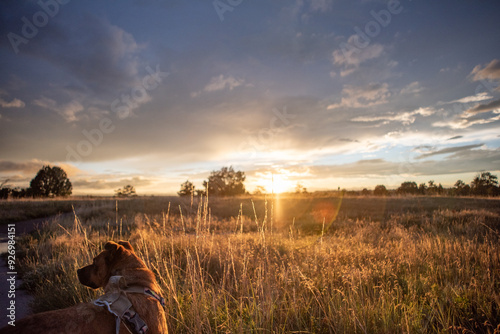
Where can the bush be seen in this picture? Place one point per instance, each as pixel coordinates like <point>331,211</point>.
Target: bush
<point>380,190</point>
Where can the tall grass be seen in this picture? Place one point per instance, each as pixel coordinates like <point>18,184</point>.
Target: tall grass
<point>294,266</point>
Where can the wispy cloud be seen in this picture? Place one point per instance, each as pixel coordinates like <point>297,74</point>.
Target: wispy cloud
<point>467,120</point>
<point>69,111</point>
<point>413,88</point>
<point>473,98</point>
<point>351,59</point>
<point>363,97</point>
<point>15,103</point>
<point>449,150</point>
<point>220,83</point>
<point>406,118</point>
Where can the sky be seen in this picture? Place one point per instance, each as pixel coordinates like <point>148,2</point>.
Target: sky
<point>325,93</point>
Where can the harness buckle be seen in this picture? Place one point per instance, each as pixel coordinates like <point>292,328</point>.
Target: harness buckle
<point>138,324</point>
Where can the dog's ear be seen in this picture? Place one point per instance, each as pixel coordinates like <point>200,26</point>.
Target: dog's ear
<point>111,246</point>
<point>114,251</point>
<point>126,244</point>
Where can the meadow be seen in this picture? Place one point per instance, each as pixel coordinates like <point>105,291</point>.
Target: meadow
<point>306,264</point>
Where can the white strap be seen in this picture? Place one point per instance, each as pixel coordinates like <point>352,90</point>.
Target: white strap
<point>99,302</point>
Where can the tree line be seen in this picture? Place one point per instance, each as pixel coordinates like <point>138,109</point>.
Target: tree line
<point>228,182</point>
<point>483,184</point>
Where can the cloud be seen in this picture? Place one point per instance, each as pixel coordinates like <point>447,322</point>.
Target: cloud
<point>31,166</point>
<point>349,140</point>
<point>90,53</point>
<point>15,103</point>
<point>350,57</point>
<point>219,83</point>
<point>413,88</point>
<point>492,106</point>
<point>449,150</point>
<point>489,72</point>
<point>474,98</point>
<point>406,118</point>
<point>356,56</point>
<point>466,120</point>
<point>68,111</point>
<point>362,97</point>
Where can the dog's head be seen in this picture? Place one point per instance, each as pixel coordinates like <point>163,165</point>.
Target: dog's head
<point>97,274</point>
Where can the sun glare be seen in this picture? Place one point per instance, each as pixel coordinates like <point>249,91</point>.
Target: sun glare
<point>275,183</point>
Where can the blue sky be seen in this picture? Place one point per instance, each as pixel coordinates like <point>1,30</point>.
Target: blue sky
<point>327,93</point>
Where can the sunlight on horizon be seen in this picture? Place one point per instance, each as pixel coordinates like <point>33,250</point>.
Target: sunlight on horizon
<point>274,182</point>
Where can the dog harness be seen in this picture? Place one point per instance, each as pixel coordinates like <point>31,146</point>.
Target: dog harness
<point>118,304</point>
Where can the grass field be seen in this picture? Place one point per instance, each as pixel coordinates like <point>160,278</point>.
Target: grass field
<point>286,265</point>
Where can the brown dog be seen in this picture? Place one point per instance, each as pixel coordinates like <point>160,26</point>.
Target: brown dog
<point>117,259</point>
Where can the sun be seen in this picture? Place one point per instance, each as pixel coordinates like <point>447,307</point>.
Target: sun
<point>275,183</point>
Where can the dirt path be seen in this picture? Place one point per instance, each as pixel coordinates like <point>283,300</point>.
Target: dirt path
<point>22,299</point>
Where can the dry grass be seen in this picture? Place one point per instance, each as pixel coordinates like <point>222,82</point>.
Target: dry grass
<point>298,265</point>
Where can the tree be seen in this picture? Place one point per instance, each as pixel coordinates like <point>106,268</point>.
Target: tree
<point>5,191</point>
<point>440,189</point>
<point>187,189</point>
<point>300,189</point>
<point>50,182</point>
<point>408,187</point>
<point>485,184</point>
<point>461,189</point>
<point>434,189</point>
<point>225,182</point>
<point>380,190</point>
<point>259,190</point>
<point>127,191</point>
<point>422,188</point>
